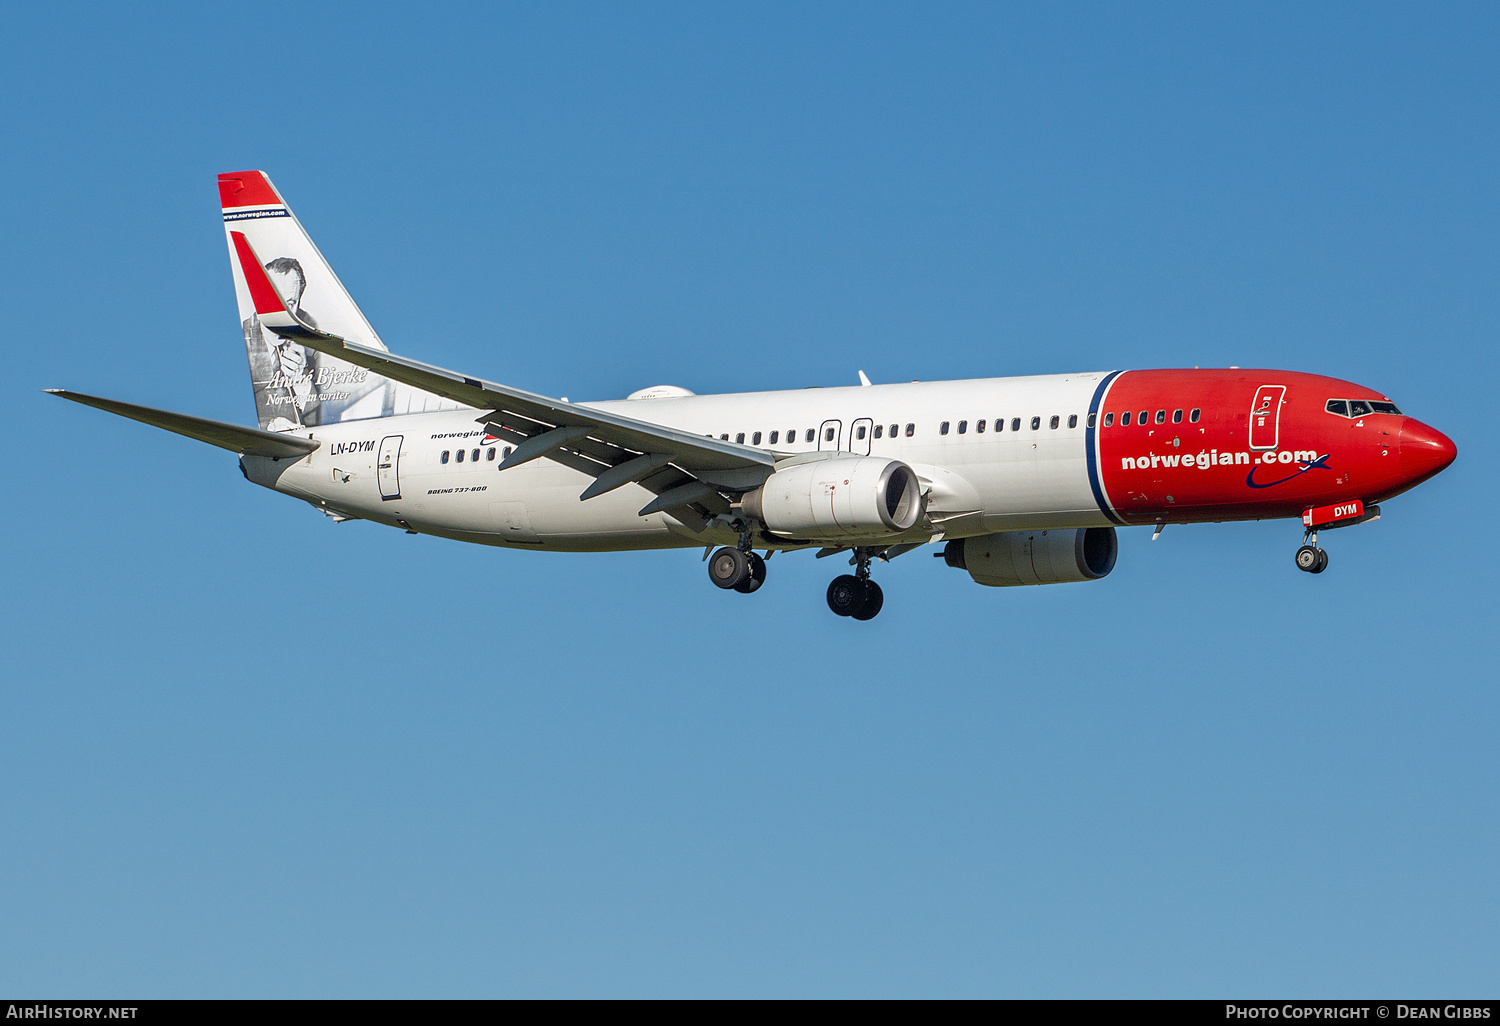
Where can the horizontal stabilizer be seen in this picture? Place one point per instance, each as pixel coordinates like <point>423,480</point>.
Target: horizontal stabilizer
<point>244,440</point>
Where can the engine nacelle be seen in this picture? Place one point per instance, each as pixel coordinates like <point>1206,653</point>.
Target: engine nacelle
<point>850,496</point>
<point>1013,558</point>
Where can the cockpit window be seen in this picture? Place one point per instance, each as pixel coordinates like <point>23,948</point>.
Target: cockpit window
<point>1360,407</point>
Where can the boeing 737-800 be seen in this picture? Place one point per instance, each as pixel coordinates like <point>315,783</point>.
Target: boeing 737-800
<point>1023,479</point>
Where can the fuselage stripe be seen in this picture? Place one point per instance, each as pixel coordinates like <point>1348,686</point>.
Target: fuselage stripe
<point>1090,435</point>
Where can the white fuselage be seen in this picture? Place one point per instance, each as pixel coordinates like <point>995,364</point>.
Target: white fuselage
<point>976,481</point>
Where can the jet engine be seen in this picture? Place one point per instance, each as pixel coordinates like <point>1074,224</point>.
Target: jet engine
<point>858,496</point>
<point>1012,558</point>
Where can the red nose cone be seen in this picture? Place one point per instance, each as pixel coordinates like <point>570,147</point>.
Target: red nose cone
<point>1424,450</point>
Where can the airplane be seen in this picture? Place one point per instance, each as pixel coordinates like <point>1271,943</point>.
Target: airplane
<point>1023,480</point>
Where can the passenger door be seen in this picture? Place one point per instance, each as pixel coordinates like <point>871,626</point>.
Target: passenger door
<point>1265,416</point>
<point>388,467</point>
<point>829,436</point>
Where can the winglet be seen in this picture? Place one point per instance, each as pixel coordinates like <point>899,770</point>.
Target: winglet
<point>267,300</point>
<point>270,306</point>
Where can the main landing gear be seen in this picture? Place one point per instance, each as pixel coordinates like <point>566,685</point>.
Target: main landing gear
<point>855,594</point>
<point>1310,558</point>
<point>737,570</point>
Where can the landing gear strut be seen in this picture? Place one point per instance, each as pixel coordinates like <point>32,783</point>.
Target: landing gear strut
<point>757,575</point>
<point>1310,558</point>
<point>855,594</point>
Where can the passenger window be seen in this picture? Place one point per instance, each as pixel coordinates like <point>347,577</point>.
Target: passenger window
<point>505,454</point>
<point>445,456</point>
<point>1384,407</point>
<point>724,438</point>
<point>1036,423</point>
<point>911,429</point>
<point>739,439</point>
<point>999,423</point>
<point>1176,416</point>
<point>1161,416</point>
<point>1125,419</point>
<point>774,436</point>
<point>859,432</point>
<point>1195,415</point>
<point>879,430</point>
<point>460,456</point>
<point>893,430</point>
<point>490,455</point>
<point>755,438</point>
<point>828,435</point>
<point>811,434</point>
<point>1143,418</point>
<point>1109,420</point>
<point>474,456</point>
<point>1054,422</point>
<point>1015,423</point>
<point>963,427</point>
<point>1358,407</point>
<point>943,428</point>
<point>979,426</point>
<point>791,436</point>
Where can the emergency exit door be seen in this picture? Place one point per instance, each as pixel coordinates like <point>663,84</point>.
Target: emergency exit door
<point>1265,416</point>
<point>860,433</point>
<point>388,467</point>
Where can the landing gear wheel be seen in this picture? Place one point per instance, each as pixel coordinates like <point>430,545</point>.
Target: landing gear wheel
<point>874,599</point>
<point>1322,562</point>
<point>757,575</point>
<point>729,568</point>
<point>1311,559</point>
<point>846,595</point>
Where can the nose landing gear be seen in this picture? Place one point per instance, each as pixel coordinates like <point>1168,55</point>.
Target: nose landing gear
<point>1310,558</point>
<point>855,595</point>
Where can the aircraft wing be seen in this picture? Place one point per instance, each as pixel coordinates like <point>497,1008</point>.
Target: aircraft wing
<point>522,413</point>
<point>687,471</point>
<point>244,440</point>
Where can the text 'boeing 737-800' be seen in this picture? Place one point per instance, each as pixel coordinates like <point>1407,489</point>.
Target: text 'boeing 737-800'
<point>1023,479</point>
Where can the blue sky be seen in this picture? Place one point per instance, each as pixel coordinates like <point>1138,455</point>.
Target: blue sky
<point>248,752</point>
